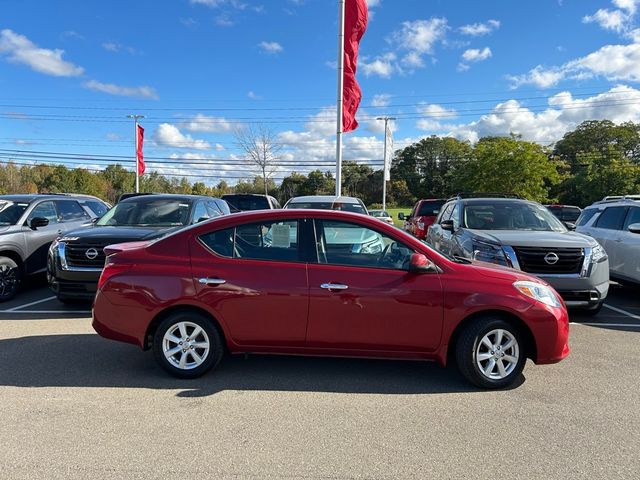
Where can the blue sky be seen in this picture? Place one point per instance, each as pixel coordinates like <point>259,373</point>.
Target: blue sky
<point>199,69</point>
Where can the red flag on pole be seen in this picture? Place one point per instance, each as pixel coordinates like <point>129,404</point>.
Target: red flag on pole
<point>139,155</point>
<point>355,23</point>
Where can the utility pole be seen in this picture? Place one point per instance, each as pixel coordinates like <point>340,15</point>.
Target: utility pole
<point>386,171</point>
<point>135,142</point>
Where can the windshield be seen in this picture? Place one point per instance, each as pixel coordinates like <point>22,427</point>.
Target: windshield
<point>11,212</point>
<point>510,216</point>
<point>345,207</point>
<point>430,208</point>
<point>146,212</point>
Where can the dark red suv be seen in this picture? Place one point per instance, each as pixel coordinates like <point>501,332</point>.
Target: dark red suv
<point>318,282</point>
<point>423,215</point>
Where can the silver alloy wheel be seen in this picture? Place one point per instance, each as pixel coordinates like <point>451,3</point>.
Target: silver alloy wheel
<point>8,280</point>
<point>497,354</point>
<point>185,345</point>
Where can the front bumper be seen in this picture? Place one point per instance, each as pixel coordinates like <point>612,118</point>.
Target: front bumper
<point>582,292</point>
<point>70,284</point>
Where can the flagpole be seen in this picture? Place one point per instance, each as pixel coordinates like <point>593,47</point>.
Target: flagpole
<point>385,163</point>
<point>340,105</point>
<point>135,144</point>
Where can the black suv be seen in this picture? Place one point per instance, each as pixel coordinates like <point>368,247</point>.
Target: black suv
<point>76,259</point>
<point>241,202</point>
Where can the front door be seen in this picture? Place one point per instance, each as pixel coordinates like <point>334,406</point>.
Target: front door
<point>39,240</point>
<point>254,278</point>
<point>363,298</point>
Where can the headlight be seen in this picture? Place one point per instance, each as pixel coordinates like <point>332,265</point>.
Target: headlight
<point>54,245</point>
<point>487,252</point>
<point>598,254</point>
<point>539,292</point>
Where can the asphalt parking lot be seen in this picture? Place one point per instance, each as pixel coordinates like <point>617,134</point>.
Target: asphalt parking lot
<point>78,406</point>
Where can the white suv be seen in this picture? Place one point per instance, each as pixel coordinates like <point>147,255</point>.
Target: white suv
<point>615,223</point>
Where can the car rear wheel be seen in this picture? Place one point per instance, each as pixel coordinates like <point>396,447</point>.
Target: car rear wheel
<point>490,353</point>
<point>10,277</point>
<point>187,344</point>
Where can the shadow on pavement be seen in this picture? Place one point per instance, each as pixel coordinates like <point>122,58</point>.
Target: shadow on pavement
<point>90,361</point>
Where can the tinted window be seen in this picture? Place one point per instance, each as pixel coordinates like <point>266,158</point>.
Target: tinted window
<point>45,210</point>
<point>248,202</point>
<point>446,213</point>
<point>612,218</point>
<point>98,208</point>
<point>214,209</point>
<point>200,213</point>
<point>633,216</point>
<point>570,214</point>
<point>585,216</point>
<point>11,212</point>
<point>71,211</point>
<point>343,243</point>
<point>430,208</point>
<point>455,216</point>
<point>276,240</point>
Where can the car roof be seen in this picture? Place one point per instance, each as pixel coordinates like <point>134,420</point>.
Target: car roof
<point>28,198</point>
<point>467,201</point>
<point>324,198</point>
<point>167,196</point>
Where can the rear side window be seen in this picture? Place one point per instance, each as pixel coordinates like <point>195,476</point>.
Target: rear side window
<point>585,216</point>
<point>612,218</point>
<point>276,241</point>
<point>71,211</point>
<point>633,216</point>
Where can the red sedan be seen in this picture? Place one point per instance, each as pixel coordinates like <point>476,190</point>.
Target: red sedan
<point>313,282</point>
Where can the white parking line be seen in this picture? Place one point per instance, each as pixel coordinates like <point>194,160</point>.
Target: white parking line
<point>624,312</point>
<point>623,325</point>
<point>46,311</point>
<point>19,307</point>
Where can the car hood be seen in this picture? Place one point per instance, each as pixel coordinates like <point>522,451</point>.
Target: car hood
<point>107,235</point>
<point>529,238</point>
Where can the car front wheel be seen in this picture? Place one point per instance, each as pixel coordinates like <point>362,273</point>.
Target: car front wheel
<point>187,345</point>
<point>490,353</point>
<point>9,279</point>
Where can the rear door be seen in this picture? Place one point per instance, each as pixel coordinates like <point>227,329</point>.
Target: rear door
<point>607,230</point>
<point>254,278</point>
<point>363,298</point>
<point>627,248</point>
<point>72,215</point>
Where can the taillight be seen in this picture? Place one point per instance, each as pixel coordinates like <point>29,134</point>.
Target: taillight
<point>111,270</point>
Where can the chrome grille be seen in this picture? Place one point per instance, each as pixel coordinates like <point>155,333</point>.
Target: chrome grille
<point>76,255</point>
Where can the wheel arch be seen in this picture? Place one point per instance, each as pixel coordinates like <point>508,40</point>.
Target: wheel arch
<point>15,256</point>
<point>153,325</point>
<point>530,346</point>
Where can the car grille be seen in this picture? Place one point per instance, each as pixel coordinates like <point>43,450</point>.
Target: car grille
<point>532,260</point>
<point>76,255</point>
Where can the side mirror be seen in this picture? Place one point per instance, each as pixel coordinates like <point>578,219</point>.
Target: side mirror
<point>37,222</point>
<point>634,228</point>
<point>570,225</point>
<point>421,264</point>
<point>401,216</point>
<point>447,225</point>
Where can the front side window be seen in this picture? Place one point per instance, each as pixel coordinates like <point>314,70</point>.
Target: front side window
<point>343,243</point>
<point>45,210</point>
<point>446,213</point>
<point>200,213</point>
<point>275,240</point>
<point>585,216</point>
<point>71,211</point>
<point>98,208</point>
<point>612,218</point>
<point>10,212</point>
<point>633,216</point>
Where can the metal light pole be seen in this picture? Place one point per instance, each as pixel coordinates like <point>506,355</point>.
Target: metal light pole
<point>135,142</point>
<point>340,104</point>
<point>386,169</point>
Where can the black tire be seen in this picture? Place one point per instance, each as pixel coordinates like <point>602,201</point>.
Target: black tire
<point>10,278</point>
<point>467,347</point>
<point>214,353</point>
<point>591,312</point>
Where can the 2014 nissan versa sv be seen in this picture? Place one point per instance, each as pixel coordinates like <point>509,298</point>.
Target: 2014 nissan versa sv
<point>314,282</point>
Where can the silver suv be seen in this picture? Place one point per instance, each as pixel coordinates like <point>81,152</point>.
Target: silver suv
<point>615,223</point>
<point>524,235</point>
<point>28,225</point>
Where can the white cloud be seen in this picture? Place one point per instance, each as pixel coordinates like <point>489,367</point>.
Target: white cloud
<point>618,20</point>
<point>563,113</point>
<point>270,47</point>
<point>208,124</point>
<point>613,62</point>
<point>381,100</point>
<point>434,114</point>
<point>168,135</point>
<point>113,89</point>
<point>420,36</point>
<point>476,55</point>
<point>478,29</point>
<point>19,49</point>
<point>383,66</point>
<point>373,3</point>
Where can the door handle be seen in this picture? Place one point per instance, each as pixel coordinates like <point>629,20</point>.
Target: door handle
<point>334,286</point>
<point>211,281</point>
